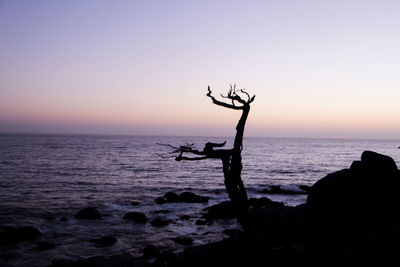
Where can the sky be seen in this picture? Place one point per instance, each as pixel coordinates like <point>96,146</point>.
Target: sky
<point>326,69</point>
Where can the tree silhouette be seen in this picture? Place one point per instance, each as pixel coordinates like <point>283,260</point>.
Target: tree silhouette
<point>231,158</point>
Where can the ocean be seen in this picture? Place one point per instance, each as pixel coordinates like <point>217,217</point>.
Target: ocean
<point>46,177</point>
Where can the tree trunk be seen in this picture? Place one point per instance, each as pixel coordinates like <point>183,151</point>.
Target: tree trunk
<point>233,181</point>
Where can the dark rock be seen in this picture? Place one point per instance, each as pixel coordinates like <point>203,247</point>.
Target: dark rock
<point>166,258</point>
<point>190,197</point>
<point>223,210</point>
<point>62,263</point>
<point>232,232</point>
<point>158,222</point>
<point>120,260</point>
<point>42,246</point>
<point>103,241</point>
<point>135,203</point>
<point>11,235</point>
<point>63,219</point>
<point>88,214</point>
<point>185,217</point>
<point>138,217</point>
<point>160,200</point>
<point>264,202</point>
<point>200,222</point>
<point>151,251</point>
<point>305,188</point>
<point>350,204</point>
<point>183,240</point>
<point>171,197</point>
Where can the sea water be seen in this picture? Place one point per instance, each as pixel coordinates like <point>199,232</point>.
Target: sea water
<point>46,177</point>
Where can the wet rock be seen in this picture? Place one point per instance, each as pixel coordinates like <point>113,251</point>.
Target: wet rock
<point>232,232</point>
<point>120,260</point>
<point>104,241</point>
<point>160,200</point>
<point>264,202</point>
<point>158,222</point>
<point>88,214</point>
<point>137,217</point>
<point>185,217</point>
<point>200,222</point>
<point>183,240</point>
<point>166,258</point>
<point>12,235</point>
<point>190,197</point>
<point>135,203</point>
<point>223,210</point>
<point>63,219</point>
<point>171,197</point>
<point>305,188</point>
<point>42,246</point>
<point>151,251</point>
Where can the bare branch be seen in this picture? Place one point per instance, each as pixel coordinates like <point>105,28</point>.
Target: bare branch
<point>180,157</point>
<point>222,104</point>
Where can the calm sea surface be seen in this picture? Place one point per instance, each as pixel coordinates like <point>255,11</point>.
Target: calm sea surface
<point>46,177</point>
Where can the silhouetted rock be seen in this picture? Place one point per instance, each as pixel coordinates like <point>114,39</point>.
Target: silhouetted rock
<point>183,240</point>
<point>185,217</point>
<point>265,202</point>
<point>158,222</point>
<point>187,197</point>
<point>171,197</point>
<point>88,214</point>
<point>11,235</point>
<point>160,200</point>
<point>103,241</point>
<point>135,203</point>
<point>120,260</point>
<point>232,232</point>
<point>305,188</point>
<point>352,203</point>
<point>223,210</point>
<point>190,197</point>
<point>200,222</point>
<point>166,258</point>
<point>42,246</point>
<point>151,251</point>
<point>137,217</point>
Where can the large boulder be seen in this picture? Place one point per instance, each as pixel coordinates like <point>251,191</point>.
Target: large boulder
<point>88,213</point>
<point>135,216</point>
<point>352,203</point>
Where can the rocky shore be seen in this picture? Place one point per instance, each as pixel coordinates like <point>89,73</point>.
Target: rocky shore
<point>351,217</point>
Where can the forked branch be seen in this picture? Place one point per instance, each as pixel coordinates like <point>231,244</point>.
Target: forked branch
<point>234,97</point>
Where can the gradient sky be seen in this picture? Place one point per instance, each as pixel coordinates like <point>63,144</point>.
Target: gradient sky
<point>318,68</point>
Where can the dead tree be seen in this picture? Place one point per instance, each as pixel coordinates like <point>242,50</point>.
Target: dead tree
<point>231,158</point>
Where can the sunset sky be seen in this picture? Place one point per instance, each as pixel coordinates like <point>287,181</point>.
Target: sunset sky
<point>317,68</point>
